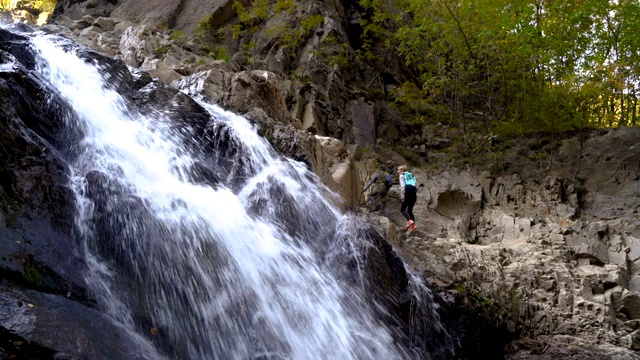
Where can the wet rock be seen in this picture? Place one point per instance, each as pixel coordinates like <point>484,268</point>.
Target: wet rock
<point>35,198</point>
<point>66,327</point>
<point>159,70</point>
<point>135,46</point>
<point>213,83</point>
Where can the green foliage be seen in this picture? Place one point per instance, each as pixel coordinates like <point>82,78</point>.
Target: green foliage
<point>177,35</point>
<point>161,50</point>
<point>334,52</point>
<point>292,37</point>
<point>219,53</point>
<point>521,65</point>
<point>204,26</point>
<point>471,293</point>
<point>45,5</point>
<point>485,307</point>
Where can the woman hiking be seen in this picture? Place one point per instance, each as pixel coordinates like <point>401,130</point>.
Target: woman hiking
<point>409,191</point>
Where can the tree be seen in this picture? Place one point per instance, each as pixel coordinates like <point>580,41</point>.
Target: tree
<point>520,65</point>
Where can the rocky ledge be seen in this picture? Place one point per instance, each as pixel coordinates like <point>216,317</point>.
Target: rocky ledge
<point>560,259</point>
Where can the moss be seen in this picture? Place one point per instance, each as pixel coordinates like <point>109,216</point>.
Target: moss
<point>31,273</point>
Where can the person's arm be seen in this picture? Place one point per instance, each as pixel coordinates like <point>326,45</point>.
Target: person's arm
<point>401,178</point>
<point>374,178</point>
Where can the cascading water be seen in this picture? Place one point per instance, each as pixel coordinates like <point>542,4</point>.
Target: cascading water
<point>227,260</point>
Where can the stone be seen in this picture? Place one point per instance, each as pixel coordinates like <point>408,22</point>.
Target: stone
<point>615,277</point>
<point>160,71</point>
<point>172,61</point>
<point>90,30</point>
<point>257,89</point>
<point>135,46</point>
<point>545,283</point>
<point>106,24</point>
<point>565,300</point>
<point>183,15</point>
<point>634,340</point>
<point>596,252</point>
<point>309,119</point>
<point>634,248</point>
<point>630,305</point>
<point>363,123</point>
<point>634,283</point>
<point>618,258</point>
<point>557,239</point>
<point>531,226</point>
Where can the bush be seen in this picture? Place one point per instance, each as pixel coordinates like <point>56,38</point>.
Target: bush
<point>161,50</point>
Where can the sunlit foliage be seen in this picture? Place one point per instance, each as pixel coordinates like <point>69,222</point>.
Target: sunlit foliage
<point>516,66</point>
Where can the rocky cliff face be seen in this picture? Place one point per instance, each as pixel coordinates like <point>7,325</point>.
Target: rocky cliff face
<point>559,257</point>
<point>558,260</point>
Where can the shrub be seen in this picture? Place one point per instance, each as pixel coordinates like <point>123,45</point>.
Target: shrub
<point>161,50</point>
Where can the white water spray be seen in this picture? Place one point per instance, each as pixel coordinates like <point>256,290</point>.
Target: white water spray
<point>212,278</point>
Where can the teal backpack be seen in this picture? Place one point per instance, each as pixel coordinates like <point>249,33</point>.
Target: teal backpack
<point>409,179</point>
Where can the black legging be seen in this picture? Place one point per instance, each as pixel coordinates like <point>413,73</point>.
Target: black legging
<point>409,200</point>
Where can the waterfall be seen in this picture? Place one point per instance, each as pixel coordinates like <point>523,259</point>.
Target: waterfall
<point>200,239</point>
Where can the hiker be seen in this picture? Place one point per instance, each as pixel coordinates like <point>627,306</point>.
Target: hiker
<point>383,183</point>
<point>409,191</point>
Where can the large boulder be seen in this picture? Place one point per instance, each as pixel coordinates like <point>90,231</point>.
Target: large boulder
<point>257,89</point>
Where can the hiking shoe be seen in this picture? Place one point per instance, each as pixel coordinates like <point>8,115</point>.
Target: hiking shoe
<point>413,226</point>
<point>409,223</point>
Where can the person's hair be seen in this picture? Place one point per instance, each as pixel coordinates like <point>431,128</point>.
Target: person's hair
<point>402,168</point>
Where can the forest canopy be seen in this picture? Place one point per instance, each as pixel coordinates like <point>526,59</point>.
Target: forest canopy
<point>515,66</point>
